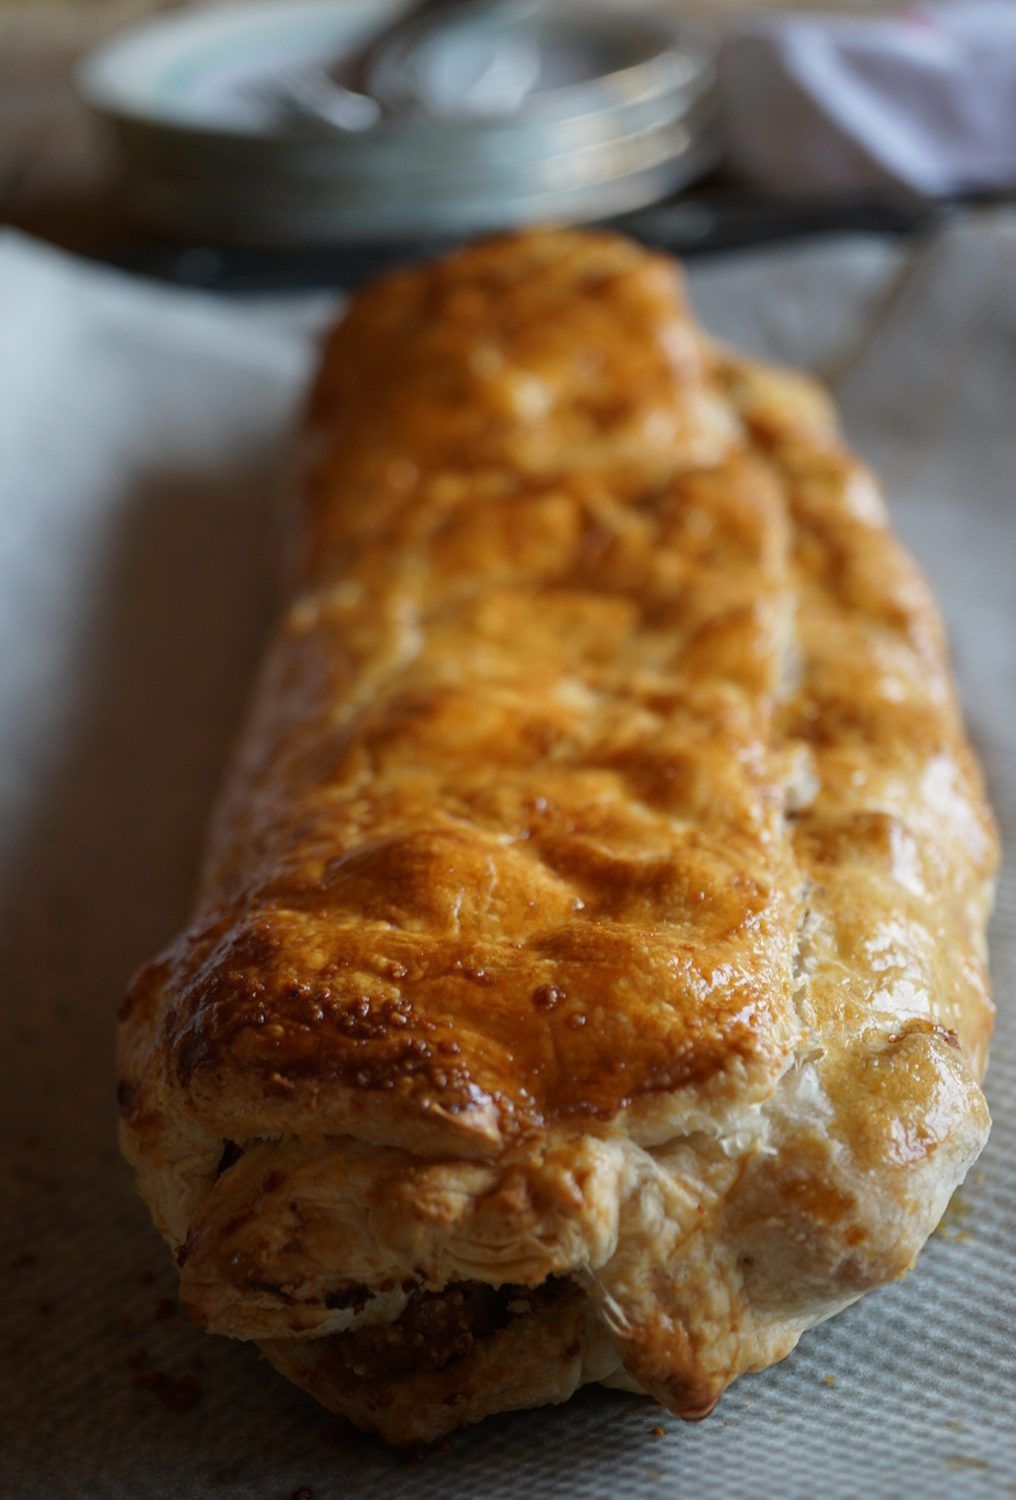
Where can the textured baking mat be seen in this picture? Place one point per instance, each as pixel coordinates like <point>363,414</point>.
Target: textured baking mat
<point>143,433</point>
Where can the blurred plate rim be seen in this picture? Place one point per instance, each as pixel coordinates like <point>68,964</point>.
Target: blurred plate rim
<point>324,224</point>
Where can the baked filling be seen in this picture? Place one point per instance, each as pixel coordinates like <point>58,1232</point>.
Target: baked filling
<point>437,1328</point>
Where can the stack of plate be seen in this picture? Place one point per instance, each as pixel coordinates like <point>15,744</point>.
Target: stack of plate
<point>615,114</point>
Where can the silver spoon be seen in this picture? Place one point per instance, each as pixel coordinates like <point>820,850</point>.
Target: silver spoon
<point>454,58</point>
<point>415,62</point>
<point>309,93</point>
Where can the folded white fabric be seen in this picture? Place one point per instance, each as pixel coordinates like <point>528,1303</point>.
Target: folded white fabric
<point>924,99</point>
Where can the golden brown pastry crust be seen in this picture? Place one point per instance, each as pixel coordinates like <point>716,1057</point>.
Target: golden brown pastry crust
<point>600,889</point>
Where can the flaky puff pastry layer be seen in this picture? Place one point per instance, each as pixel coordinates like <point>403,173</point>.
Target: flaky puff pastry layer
<point>597,901</point>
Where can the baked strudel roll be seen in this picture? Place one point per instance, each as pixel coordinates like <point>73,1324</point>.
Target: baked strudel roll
<point>587,980</point>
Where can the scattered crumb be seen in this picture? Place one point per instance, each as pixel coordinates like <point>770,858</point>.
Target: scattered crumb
<point>165,1308</point>
<point>964,1461</point>
<point>177,1395</point>
<point>659,1432</point>
<point>956,1424</point>
<point>829,1380</point>
<point>341,1434</point>
<point>231,1473</point>
<point>420,1451</point>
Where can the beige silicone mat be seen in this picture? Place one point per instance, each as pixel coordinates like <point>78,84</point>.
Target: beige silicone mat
<point>142,433</point>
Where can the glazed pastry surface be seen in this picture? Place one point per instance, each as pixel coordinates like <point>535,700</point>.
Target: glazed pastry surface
<point>587,979</point>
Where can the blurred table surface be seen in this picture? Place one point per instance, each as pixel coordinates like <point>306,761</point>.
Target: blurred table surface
<point>55,175</point>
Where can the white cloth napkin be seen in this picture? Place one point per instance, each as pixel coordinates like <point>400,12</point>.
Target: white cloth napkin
<point>142,434</point>
<point>924,99</point>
